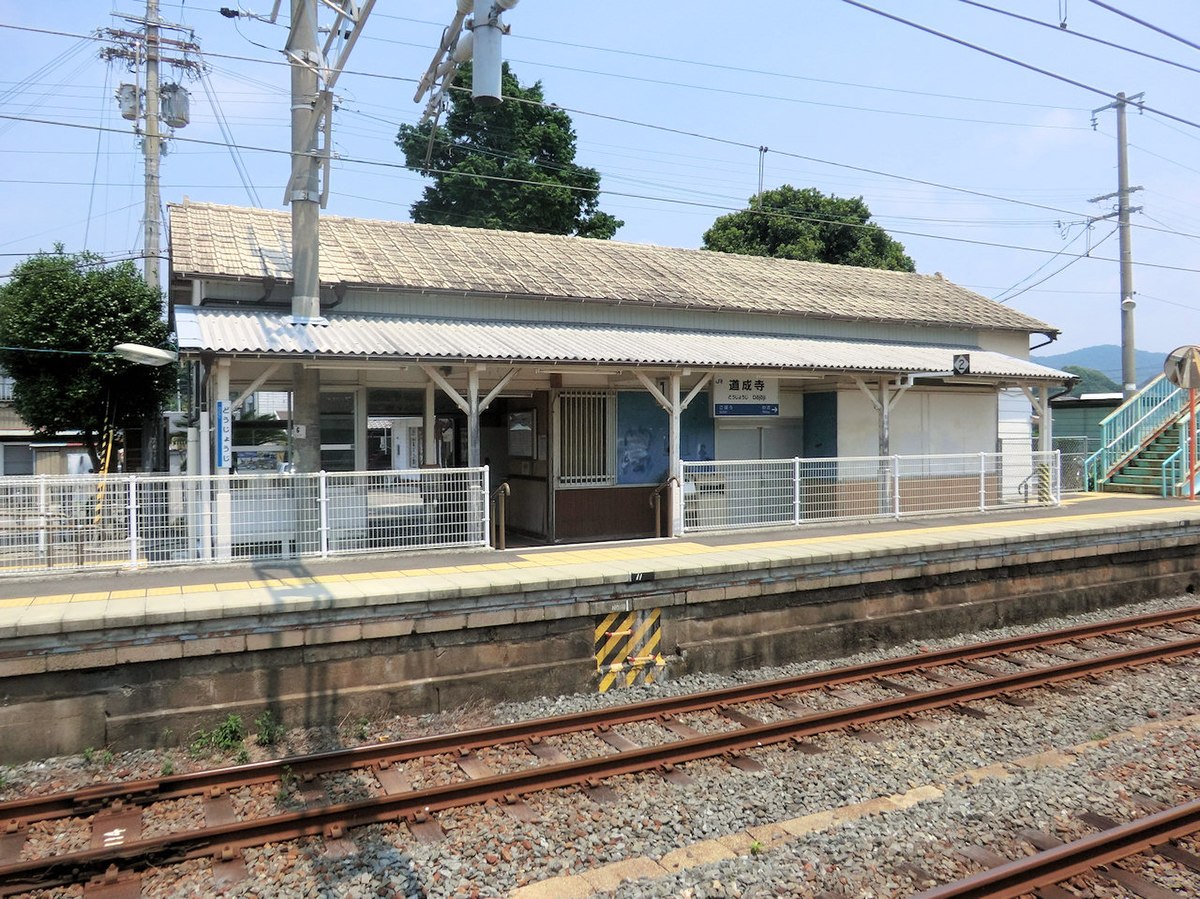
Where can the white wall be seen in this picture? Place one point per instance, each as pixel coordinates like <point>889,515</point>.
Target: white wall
<point>1015,344</point>
<point>1015,440</point>
<point>922,422</point>
<point>857,424</point>
<point>940,421</point>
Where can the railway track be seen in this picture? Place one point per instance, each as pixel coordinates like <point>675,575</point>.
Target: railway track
<point>769,713</point>
<point>1055,862</point>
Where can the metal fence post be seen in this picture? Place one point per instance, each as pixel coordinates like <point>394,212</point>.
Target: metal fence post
<point>796,490</point>
<point>485,477</point>
<point>896,487</point>
<point>133,521</point>
<point>983,482</point>
<point>43,518</point>
<point>323,512</point>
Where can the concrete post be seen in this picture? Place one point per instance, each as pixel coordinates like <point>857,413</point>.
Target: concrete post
<point>430,425</point>
<point>885,436</point>
<point>474,451</point>
<point>306,419</point>
<point>224,500</point>
<point>304,193</point>
<point>152,152</point>
<point>676,463</point>
<point>1046,432</point>
<point>204,504</point>
<point>1128,352</point>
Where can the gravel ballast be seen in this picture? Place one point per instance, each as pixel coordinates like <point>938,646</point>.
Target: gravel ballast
<point>1103,746</point>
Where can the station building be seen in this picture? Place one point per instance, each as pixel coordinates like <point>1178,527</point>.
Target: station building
<point>581,372</point>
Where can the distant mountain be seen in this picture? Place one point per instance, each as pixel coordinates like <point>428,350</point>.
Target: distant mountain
<point>1106,358</point>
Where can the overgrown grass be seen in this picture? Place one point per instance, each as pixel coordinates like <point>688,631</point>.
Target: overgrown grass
<point>227,738</point>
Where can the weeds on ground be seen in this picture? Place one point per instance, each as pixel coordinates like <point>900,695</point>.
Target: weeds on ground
<point>268,731</point>
<point>287,780</point>
<point>225,739</point>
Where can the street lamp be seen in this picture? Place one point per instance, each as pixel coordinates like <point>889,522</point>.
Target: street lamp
<point>145,355</point>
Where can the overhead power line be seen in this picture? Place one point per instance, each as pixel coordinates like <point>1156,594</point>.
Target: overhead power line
<point>1016,62</point>
<point>1164,32</point>
<point>726,68</point>
<point>1062,29</point>
<point>1053,274</point>
<point>670,200</point>
<point>661,128</point>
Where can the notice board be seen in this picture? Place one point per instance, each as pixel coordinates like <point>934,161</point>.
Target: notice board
<point>643,433</point>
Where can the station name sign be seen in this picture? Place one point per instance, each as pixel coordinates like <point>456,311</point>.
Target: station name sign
<point>735,393</point>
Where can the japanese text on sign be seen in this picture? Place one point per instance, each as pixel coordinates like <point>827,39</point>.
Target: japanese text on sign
<point>736,393</point>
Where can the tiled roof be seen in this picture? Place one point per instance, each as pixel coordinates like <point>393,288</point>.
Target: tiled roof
<point>226,331</point>
<point>213,241</point>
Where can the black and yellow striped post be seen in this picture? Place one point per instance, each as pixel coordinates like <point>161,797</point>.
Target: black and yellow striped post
<point>627,649</point>
<point>1045,485</point>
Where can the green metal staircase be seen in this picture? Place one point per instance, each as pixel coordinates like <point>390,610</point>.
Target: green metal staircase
<point>1143,471</point>
<point>1144,444</point>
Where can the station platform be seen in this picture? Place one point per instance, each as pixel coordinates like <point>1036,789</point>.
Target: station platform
<point>120,656</point>
<point>71,601</point>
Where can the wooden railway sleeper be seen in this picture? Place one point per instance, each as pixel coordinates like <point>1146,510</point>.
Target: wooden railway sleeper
<point>175,786</point>
<point>630,759</point>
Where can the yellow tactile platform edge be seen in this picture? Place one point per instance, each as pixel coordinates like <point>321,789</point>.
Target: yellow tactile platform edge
<point>608,553</point>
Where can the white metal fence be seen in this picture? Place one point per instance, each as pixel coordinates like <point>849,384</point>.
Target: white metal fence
<point>60,523</point>
<point>728,495</point>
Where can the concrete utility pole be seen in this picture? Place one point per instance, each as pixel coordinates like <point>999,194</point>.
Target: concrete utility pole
<point>304,190</point>
<point>140,48</point>
<point>1128,349</point>
<point>152,152</point>
<point>312,124</point>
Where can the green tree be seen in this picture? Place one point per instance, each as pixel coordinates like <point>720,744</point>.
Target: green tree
<point>805,224</point>
<point>1091,381</point>
<point>509,167</point>
<point>60,316</point>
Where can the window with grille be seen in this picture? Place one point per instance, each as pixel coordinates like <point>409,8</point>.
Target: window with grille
<point>586,438</point>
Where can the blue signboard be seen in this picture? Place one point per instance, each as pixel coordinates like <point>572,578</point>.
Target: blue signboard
<point>739,393</point>
<point>723,409</point>
<point>642,436</point>
<point>224,434</point>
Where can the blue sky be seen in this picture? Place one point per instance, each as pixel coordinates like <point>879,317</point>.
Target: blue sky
<point>670,102</point>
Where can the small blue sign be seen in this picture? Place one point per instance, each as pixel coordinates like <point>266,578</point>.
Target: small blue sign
<point>746,408</point>
<point>224,434</point>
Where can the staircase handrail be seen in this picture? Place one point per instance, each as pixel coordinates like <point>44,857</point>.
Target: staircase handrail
<point>1092,471</point>
<point>1154,384</point>
<point>1135,422</point>
<point>1174,467</point>
<point>1171,472</point>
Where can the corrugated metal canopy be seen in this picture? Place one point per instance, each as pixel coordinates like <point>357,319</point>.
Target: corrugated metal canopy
<point>239,332</point>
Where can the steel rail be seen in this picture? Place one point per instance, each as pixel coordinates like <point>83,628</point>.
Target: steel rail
<point>415,805</point>
<point>1051,866</point>
<point>144,792</point>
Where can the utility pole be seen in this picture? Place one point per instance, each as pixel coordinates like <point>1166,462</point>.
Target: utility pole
<point>152,152</point>
<point>315,69</point>
<point>1128,349</point>
<point>304,189</point>
<point>146,48</point>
